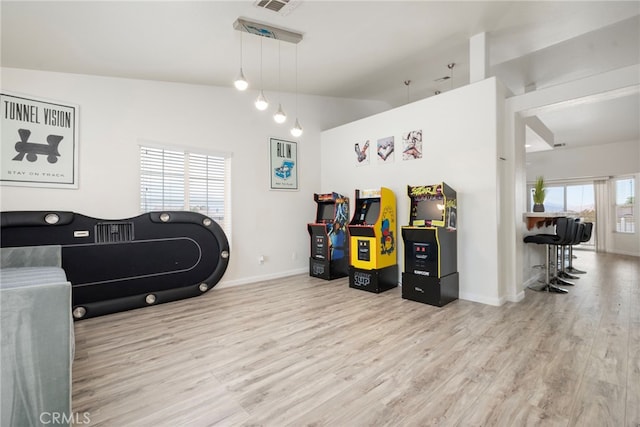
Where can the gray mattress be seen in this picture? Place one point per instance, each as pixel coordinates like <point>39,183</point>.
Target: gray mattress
<point>37,345</point>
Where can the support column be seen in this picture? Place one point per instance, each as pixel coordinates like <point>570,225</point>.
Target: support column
<point>478,58</point>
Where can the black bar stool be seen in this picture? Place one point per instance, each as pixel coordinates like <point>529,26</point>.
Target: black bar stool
<point>567,236</point>
<point>567,250</point>
<point>562,231</point>
<point>586,236</point>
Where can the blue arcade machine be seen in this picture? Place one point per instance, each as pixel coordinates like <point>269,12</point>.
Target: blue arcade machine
<point>329,257</point>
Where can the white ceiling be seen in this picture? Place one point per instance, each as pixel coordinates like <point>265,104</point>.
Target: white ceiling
<point>353,49</point>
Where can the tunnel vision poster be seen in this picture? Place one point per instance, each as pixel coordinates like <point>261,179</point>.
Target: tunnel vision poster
<point>39,142</point>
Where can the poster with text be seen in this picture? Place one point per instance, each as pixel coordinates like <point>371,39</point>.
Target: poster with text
<point>386,150</point>
<point>39,142</point>
<point>284,164</point>
<point>412,145</point>
<point>362,153</point>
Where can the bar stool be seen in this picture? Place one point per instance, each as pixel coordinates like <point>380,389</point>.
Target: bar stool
<point>568,236</point>
<point>586,236</point>
<point>548,240</point>
<point>567,250</point>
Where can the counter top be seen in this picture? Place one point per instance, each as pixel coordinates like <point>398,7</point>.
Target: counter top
<point>546,219</point>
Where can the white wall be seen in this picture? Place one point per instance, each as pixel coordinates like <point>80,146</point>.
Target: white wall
<point>460,148</point>
<point>115,114</point>
<point>619,158</point>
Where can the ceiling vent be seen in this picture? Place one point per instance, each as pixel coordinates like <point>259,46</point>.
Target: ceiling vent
<point>282,7</point>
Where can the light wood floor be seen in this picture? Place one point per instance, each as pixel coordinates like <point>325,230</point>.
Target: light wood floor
<point>304,351</point>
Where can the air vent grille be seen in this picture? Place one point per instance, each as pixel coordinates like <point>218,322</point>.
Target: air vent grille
<point>283,7</point>
<point>114,232</point>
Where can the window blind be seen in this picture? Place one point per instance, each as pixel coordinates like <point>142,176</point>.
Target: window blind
<point>180,180</point>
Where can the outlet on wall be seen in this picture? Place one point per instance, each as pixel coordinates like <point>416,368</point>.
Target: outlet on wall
<point>261,259</point>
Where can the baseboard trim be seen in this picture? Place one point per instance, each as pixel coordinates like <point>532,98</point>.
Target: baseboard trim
<point>624,253</point>
<point>531,281</point>
<point>261,278</point>
<point>517,297</point>
<point>482,299</point>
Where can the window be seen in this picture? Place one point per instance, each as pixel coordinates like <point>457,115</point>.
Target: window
<point>571,197</point>
<point>579,198</point>
<point>181,180</point>
<point>625,197</point>
<point>554,200</point>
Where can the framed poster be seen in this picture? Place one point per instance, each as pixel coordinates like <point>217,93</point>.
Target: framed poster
<point>386,150</point>
<point>362,153</point>
<point>284,164</point>
<point>39,144</point>
<point>412,145</point>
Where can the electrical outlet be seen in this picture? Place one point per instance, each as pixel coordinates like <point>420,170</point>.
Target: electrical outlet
<point>261,259</point>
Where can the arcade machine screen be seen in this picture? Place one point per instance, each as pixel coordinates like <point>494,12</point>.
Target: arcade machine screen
<point>326,212</point>
<point>430,210</point>
<point>372,212</point>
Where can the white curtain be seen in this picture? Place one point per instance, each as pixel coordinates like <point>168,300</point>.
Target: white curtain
<point>603,212</point>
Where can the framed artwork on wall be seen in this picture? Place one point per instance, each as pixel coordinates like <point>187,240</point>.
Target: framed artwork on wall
<point>412,145</point>
<point>386,150</point>
<point>283,164</point>
<point>39,144</point>
<point>362,153</point>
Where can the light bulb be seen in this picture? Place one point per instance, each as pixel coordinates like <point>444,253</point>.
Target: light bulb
<point>241,83</point>
<point>296,130</point>
<point>280,116</point>
<point>262,103</point>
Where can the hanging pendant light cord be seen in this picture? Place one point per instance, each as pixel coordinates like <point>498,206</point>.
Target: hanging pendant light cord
<point>296,82</point>
<point>261,86</point>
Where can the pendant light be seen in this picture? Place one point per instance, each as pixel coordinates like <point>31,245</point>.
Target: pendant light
<point>450,66</point>
<point>407,83</point>
<point>280,116</point>
<point>296,130</point>
<point>241,82</point>
<point>261,103</point>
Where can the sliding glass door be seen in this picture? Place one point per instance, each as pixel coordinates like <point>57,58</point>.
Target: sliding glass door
<point>581,199</point>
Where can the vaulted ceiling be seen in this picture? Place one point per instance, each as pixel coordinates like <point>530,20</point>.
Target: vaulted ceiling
<point>352,49</point>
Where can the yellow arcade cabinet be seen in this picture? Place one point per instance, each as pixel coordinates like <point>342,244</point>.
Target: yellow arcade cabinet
<point>373,244</point>
<point>329,258</point>
<point>430,246</point>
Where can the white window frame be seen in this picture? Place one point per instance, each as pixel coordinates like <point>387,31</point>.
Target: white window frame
<point>614,192</point>
<point>186,151</point>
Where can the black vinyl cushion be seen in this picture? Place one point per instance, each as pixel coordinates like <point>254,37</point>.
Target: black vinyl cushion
<point>586,233</point>
<point>564,229</point>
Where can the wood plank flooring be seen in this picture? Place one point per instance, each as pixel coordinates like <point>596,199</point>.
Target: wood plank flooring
<point>303,351</point>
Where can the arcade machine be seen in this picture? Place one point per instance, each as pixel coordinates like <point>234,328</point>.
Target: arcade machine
<point>118,265</point>
<point>329,240</point>
<point>430,246</point>
<point>372,234</point>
